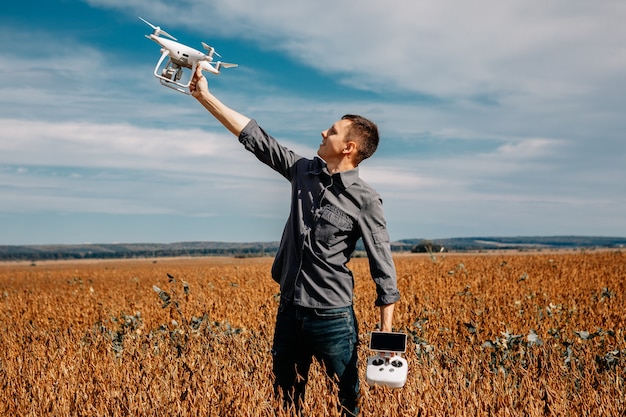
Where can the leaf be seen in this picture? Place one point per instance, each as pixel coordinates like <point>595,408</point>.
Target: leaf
<point>197,321</point>
<point>583,334</point>
<point>165,297</point>
<point>420,322</point>
<point>488,344</point>
<point>569,352</point>
<point>533,339</point>
<point>470,327</point>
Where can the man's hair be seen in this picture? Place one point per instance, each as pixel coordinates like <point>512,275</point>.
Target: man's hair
<point>365,133</point>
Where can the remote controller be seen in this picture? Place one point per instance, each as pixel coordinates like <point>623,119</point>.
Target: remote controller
<point>387,367</point>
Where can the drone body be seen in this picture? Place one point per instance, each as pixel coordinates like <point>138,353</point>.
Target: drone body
<point>181,56</point>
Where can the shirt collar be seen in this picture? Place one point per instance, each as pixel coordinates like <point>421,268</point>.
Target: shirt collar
<point>347,178</point>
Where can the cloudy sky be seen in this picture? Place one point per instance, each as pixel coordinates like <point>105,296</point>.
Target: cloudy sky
<point>498,118</point>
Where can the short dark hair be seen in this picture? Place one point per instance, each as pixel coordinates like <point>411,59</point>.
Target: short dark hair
<point>365,133</point>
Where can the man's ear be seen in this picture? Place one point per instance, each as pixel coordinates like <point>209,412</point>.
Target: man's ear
<point>350,147</point>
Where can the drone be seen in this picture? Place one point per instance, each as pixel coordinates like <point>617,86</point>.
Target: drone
<point>181,56</point>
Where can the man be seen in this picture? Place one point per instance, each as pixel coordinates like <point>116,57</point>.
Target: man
<point>331,208</point>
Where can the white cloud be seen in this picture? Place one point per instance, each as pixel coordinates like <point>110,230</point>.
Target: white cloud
<point>545,49</point>
<point>498,67</point>
<point>528,148</point>
<point>520,103</point>
<point>109,145</point>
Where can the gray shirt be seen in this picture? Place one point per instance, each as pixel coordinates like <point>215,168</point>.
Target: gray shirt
<point>329,213</point>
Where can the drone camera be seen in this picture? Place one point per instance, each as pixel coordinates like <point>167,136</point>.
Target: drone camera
<point>172,73</point>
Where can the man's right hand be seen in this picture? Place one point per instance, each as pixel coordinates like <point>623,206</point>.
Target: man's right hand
<point>199,83</point>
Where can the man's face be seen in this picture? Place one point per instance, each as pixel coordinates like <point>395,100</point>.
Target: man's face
<point>334,140</point>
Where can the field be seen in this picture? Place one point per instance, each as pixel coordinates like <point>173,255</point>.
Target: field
<point>503,334</point>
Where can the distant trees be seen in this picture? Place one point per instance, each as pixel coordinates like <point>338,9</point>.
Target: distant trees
<point>427,246</point>
<point>251,249</point>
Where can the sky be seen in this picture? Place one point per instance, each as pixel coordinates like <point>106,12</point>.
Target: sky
<point>497,118</point>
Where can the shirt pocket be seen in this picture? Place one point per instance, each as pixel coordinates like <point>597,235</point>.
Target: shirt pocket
<point>381,237</point>
<point>332,225</point>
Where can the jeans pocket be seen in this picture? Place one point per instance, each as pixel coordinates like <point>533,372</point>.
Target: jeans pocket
<point>335,328</point>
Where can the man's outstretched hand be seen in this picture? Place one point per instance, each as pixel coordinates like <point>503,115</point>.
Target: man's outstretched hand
<point>199,83</point>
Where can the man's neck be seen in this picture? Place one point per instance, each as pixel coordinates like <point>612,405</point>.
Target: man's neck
<point>339,166</point>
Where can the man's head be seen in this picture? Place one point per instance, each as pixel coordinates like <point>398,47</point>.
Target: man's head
<point>353,136</point>
<point>365,133</point>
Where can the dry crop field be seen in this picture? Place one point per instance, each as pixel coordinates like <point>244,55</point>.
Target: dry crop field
<point>505,334</point>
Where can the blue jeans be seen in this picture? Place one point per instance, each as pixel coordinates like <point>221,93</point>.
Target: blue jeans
<point>329,335</point>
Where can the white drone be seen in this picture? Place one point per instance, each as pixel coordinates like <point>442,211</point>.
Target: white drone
<point>181,56</point>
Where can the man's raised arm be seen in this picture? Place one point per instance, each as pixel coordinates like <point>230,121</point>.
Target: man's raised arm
<point>231,119</point>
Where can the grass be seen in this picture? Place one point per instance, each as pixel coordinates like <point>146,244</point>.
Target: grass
<point>511,334</point>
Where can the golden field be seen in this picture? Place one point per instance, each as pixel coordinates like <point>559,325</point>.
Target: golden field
<point>502,334</point>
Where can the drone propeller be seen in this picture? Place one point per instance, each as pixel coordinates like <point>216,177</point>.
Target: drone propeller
<point>211,51</point>
<point>157,29</point>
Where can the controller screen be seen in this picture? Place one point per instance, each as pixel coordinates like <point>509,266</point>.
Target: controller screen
<point>388,342</point>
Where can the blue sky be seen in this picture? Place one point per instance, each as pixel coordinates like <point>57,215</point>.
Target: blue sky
<point>497,118</point>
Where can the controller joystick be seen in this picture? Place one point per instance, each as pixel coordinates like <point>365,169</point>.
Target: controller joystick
<point>378,361</point>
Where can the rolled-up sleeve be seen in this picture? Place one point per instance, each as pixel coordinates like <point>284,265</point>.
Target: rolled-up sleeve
<point>378,247</point>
